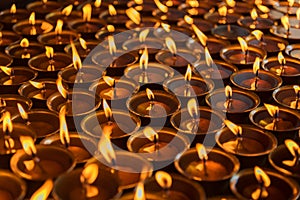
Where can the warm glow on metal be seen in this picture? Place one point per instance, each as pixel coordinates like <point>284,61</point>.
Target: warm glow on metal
<point>200,35</point>
<point>263,179</point>
<point>285,22</point>
<point>49,52</point>
<point>6,70</point>
<point>24,43</point>
<point>192,107</point>
<point>161,6</point>
<point>254,14</point>
<point>272,110</point>
<point>22,112</point>
<point>28,145</point>
<point>208,59</point>
<point>139,192</point>
<point>257,34</point>
<point>13,9</point>
<point>59,25</point>
<point>61,88</point>
<point>134,15</point>
<point>67,10</point>
<point>7,124</point>
<point>222,11</point>
<point>63,131</point>
<point>281,58</point>
<point>110,28</point>
<point>106,149</point>
<point>243,44</point>
<point>97,3</point>
<point>75,57</point>
<point>166,27</point>
<point>82,43</point>
<point>112,11</point>
<point>188,73</point>
<point>150,94</point>
<point>235,129</point>
<point>150,133</point>
<point>44,191</point>
<point>37,85</point>
<point>171,45</point>
<point>143,35</point>
<point>230,3</point>
<point>32,18</point>
<point>109,81</point>
<point>112,45</point>
<point>163,179</point>
<point>144,59</point>
<point>107,110</point>
<point>256,65</point>
<point>188,20</point>
<point>87,12</point>
<point>201,151</point>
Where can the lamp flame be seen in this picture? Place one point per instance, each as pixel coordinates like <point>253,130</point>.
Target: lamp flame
<point>222,11</point>
<point>63,131</point>
<point>6,70</point>
<point>28,145</point>
<point>44,1</point>
<point>200,35</point>
<point>291,2</point>
<point>150,94</point>
<point>143,35</point>
<point>112,11</point>
<point>87,12</point>
<point>264,179</point>
<point>193,3</point>
<point>254,14</point>
<point>257,34</point>
<point>24,43</point>
<point>61,88</point>
<point>294,149</point>
<point>37,85</point>
<point>296,89</point>
<point>76,58</point>
<point>49,52</point>
<point>13,9</point>
<point>166,27</point>
<point>298,14</point>
<point>201,151</point>
<point>163,179</point>
<point>67,10</point>
<point>112,45</point>
<point>88,176</point>
<point>161,6</point>
<point>97,3</point>
<point>281,58</point>
<point>22,112</point>
<point>171,45</point>
<point>82,43</point>
<point>272,110</point>
<point>228,91</point>
<point>188,73</point>
<point>285,22</point>
<point>107,110</point>
<point>192,107</point>
<point>109,81</point>
<point>235,129</point>
<point>144,59</point>
<point>59,25</point>
<point>32,19</point>
<point>256,65</point>
<point>263,8</point>
<point>231,3</point>
<point>106,149</point>
<point>150,133</point>
<point>208,59</point>
<point>243,44</point>
<point>110,28</point>
<point>44,191</point>
<point>139,2</point>
<point>134,15</point>
<point>7,124</point>
<point>139,192</point>
<point>188,20</point>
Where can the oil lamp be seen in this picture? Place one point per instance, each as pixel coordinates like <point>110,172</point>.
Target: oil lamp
<point>249,144</point>
<point>8,102</point>
<point>87,26</point>
<point>257,184</point>
<point>283,122</point>
<point>212,169</point>
<point>166,14</point>
<point>12,16</point>
<point>115,17</point>
<point>255,22</point>
<point>66,15</point>
<point>288,96</point>
<point>43,7</point>
<point>17,188</point>
<point>32,28</point>
<point>222,16</point>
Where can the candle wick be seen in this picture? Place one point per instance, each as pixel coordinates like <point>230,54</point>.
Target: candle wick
<point>156,144</point>
<point>228,28</point>
<point>246,56</point>
<point>282,69</point>
<point>204,167</point>
<point>174,59</point>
